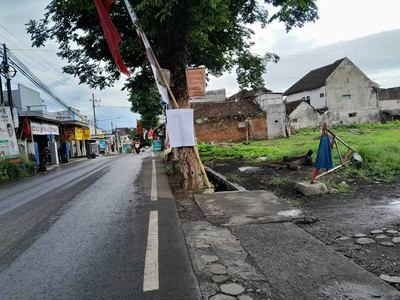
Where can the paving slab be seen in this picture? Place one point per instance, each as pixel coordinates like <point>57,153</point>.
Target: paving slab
<point>392,279</point>
<point>232,289</point>
<point>231,254</point>
<point>364,241</point>
<point>244,207</point>
<point>299,266</point>
<point>222,297</point>
<point>219,278</point>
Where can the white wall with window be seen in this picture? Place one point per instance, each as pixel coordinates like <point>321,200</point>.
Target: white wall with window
<point>317,97</point>
<point>265,99</point>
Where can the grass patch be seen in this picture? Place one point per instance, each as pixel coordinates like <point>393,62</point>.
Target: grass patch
<point>378,144</point>
<point>234,178</point>
<point>280,180</point>
<point>293,203</point>
<point>337,188</point>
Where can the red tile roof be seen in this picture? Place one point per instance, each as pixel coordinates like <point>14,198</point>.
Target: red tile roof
<point>247,94</point>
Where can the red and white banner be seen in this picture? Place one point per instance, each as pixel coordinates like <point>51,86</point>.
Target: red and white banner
<point>44,129</point>
<point>161,88</point>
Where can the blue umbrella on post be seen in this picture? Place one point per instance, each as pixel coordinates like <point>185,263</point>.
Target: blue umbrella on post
<point>324,155</point>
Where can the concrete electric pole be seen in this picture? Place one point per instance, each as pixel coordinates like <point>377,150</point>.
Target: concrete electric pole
<point>8,72</point>
<point>94,112</point>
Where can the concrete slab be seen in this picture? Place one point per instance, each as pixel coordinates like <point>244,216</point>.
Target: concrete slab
<point>243,207</point>
<point>309,189</point>
<point>299,266</point>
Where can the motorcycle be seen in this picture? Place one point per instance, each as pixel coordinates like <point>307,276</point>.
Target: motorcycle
<point>137,148</point>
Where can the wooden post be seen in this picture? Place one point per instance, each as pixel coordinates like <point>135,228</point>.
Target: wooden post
<point>165,80</point>
<point>247,131</point>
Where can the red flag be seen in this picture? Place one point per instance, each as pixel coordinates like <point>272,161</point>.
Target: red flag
<point>139,131</point>
<point>151,132</point>
<point>107,4</point>
<point>25,127</point>
<point>111,33</point>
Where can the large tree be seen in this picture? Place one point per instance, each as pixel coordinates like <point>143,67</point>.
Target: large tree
<point>183,33</point>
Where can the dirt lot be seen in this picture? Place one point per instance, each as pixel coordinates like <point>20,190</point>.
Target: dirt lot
<point>353,206</point>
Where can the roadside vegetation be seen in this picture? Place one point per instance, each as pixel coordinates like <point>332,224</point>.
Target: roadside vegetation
<point>13,170</point>
<point>378,145</point>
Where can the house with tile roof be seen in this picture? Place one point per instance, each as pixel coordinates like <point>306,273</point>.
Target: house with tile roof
<point>300,114</point>
<point>262,96</point>
<point>341,90</point>
<point>389,103</point>
<point>231,120</point>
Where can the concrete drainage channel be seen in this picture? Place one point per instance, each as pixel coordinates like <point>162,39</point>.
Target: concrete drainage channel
<point>220,182</point>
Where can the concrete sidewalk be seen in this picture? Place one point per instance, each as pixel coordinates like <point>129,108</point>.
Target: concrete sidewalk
<point>249,248</point>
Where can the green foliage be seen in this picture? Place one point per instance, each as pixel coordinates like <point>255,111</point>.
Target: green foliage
<point>146,102</point>
<point>133,135</point>
<point>210,33</point>
<point>337,188</point>
<point>294,13</point>
<point>378,145</point>
<point>10,170</point>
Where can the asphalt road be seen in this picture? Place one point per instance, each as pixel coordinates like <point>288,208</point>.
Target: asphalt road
<point>96,229</point>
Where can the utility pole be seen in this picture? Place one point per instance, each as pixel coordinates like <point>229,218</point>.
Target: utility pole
<point>94,112</point>
<point>1,91</point>
<point>8,72</point>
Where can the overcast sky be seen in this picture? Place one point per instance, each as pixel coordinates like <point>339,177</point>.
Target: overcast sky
<point>366,31</point>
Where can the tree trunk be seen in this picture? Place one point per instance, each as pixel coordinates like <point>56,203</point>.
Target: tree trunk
<point>191,176</point>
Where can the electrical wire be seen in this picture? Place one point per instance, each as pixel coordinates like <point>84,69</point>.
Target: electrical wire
<point>15,62</point>
<point>51,66</point>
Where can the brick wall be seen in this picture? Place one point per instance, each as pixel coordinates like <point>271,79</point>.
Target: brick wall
<point>230,128</point>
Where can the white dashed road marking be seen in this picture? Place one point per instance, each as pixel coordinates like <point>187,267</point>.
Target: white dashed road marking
<point>150,279</point>
<point>153,196</point>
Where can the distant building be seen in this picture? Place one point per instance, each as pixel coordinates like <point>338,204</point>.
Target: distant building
<point>212,96</point>
<point>389,103</point>
<point>262,96</point>
<point>342,89</point>
<point>229,121</point>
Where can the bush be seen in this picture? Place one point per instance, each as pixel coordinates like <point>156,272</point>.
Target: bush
<point>10,170</point>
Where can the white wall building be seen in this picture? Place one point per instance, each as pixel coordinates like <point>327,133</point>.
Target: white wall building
<point>341,88</point>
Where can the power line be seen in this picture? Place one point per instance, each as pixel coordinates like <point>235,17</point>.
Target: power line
<point>115,106</point>
<point>58,71</point>
<point>14,61</point>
